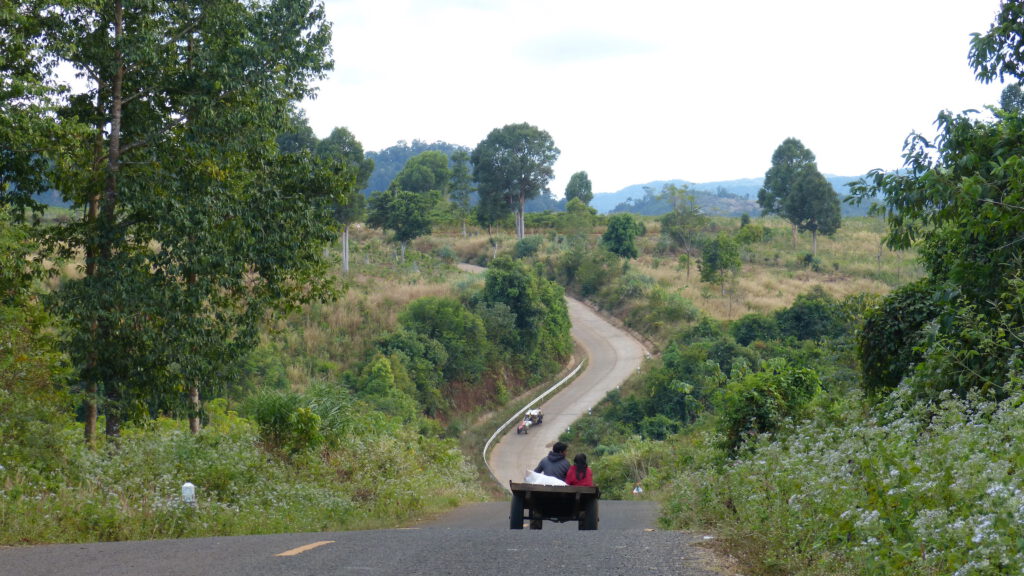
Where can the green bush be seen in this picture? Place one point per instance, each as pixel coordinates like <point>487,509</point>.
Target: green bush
<point>527,247</point>
<point>752,327</point>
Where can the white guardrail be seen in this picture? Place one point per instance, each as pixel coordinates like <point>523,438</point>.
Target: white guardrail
<point>487,445</point>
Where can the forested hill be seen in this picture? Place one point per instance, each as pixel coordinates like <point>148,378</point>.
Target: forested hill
<point>725,198</point>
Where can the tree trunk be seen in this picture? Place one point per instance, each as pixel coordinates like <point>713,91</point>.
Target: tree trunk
<point>402,244</point>
<point>521,218</point>
<point>344,250</point>
<point>108,214</point>
<point>794,236</point>
<point>90,413</point>
<point>194,408</point>
<point>814,243</point>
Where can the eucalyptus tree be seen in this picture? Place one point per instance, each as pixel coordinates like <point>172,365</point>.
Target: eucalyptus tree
<point>513,164</point>
<point>460,186</point>
<point>346,152</point>
<point>579,186</point>
<point>193,228</point>
<point>685,223</point>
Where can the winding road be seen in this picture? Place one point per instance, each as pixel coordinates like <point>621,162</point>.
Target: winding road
<point>472,540</point>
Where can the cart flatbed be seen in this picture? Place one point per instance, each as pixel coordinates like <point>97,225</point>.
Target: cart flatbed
<point>553,503</point>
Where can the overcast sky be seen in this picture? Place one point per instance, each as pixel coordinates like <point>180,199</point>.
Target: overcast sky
<point>644,90</point>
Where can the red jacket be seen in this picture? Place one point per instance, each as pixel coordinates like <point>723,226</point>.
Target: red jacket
<point>572,480</point>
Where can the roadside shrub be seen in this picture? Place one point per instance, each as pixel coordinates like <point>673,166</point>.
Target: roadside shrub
<point>285,422</point>
<point>759,402</point>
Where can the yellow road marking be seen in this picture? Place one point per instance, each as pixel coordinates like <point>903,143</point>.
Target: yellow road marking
<point>306,548</point>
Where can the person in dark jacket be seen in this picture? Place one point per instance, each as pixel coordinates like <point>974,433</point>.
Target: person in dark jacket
<point>554,464</point>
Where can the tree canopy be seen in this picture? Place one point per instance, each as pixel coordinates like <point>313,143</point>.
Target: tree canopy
<point>514,163</point>
<point>194,227</point>
<point>960,200</point>
<point>579,186</point>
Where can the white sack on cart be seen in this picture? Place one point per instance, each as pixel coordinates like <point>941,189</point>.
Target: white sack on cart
<point>542,479</point>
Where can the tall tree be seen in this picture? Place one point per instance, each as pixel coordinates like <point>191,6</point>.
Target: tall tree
<point>514,163</point>
<point>813,206</point>
<point>406,214</point>
<point>460,186</point>
<point>789,161</point>
<point>683,225</point>
<point>342,145</point>
<point>425,172</point>
<point>579,187</point>
<point>193,229</point>
<point>721,260</point>
<point>342,148</point>
<point>960,201</point>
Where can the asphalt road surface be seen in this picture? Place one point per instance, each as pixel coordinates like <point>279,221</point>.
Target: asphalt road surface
<point>473,540</point>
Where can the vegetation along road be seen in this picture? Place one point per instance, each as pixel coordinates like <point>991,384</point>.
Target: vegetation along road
<point>473,539</point>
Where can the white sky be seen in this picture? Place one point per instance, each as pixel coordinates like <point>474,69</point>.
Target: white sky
<point>632,92</point>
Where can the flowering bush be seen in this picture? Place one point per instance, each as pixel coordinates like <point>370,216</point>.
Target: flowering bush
<point>915,488</point>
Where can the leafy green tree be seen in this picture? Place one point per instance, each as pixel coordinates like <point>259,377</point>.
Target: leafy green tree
<point>541,315</point>
<point>1012,98</point>
<point>406,214</point>
<point>341,145</point>
<point>721,260</point>
<point>460,186</point>
<point>760,402</point>
<point>33,139</point>
<point>812,316</point>
<point>577,221</point>
<point>621,234</point>
<point>684,224</point>
<point>296,135</point>
<point>579,186</point>
<point>427,171</point>
<point>959,201</point>
<point>812,205</point>
<point>459,330</point>
<point>789,161</point>
<point>342,148</point>
<point>888,340</point>
<point>193,230</point>
<point>514,163</point>
<point>753,327</point>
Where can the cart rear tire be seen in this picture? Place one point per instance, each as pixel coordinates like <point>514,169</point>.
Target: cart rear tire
<point>590,517</point>
<point>515,517</point>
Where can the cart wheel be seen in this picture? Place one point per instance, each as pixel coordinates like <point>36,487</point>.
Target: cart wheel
<point>515,517</point>
<point>590,519</point>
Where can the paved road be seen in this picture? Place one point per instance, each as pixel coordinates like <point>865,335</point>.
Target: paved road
<point>473,540</point>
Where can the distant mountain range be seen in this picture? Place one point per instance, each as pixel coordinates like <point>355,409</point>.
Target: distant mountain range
<point>723,198</point>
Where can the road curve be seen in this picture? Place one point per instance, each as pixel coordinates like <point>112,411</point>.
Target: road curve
<point>612,355</point>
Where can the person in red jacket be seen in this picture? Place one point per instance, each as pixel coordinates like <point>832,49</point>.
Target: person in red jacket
<point>579,473</point>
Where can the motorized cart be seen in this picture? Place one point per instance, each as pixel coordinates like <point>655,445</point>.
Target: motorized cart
<point>537,502</point>
<point>531,418</point>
